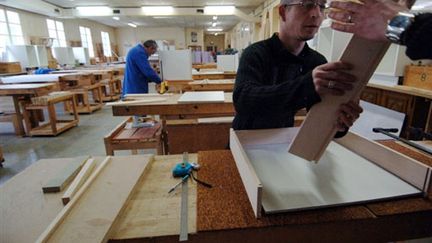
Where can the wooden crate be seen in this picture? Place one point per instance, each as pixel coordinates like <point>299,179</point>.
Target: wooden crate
<point>418,76</point>
<point>10,67</point>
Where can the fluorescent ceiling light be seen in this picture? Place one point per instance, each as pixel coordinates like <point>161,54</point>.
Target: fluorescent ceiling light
<point>94,10</point>
<point>132,25</point>
<point>157,10</point>
<point>219,10</point>
<point>116,18</point>
<point>214,17</point>
<point>162,17</point>
<point>213,24</point>
<point>214,29</point>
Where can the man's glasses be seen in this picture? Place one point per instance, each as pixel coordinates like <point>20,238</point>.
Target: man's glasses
<point>308,5</point>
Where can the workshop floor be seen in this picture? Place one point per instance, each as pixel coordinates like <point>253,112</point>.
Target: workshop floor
<point>85,139</point>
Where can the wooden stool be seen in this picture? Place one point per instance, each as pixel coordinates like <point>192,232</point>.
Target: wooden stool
<point>110,89</point>
<point>11,117</point>
<point>83,102</point>
<point>122,138</point>
<point>54,126</point>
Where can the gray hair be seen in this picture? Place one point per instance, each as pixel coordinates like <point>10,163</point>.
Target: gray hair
<point>150,43</point>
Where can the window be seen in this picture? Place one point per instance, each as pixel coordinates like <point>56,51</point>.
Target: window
<point>10,30</point>
<point>56,31</point>
<point>106,44</point>
<point>86,39</point>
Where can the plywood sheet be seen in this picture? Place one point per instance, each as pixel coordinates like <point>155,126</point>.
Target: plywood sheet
<point>202,97</point>
<point>341,177</point>
<point>153,212</point>
<point>91,218</point>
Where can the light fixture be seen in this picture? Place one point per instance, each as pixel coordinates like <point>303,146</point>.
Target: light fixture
<point>214,24</point>
<point>219,10</point>
<point>214,17</point>
<point>116,18</point>
<point>162,17</point>
<point>94,10</point>
<point>214,29</point>
<point>216,34</point>
<point>132,25</point>
<point>157,10</point>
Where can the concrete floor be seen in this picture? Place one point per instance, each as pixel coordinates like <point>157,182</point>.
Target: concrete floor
<point>85,139</point>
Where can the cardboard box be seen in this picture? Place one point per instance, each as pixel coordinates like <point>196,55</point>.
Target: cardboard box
<point>10,67</point>
<point>418,76</point>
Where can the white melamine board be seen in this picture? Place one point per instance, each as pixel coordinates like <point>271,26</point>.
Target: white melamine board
<point>36,78</point>
<point>64,55</point>
<point>202,97</point>
<point>176,65</point>
<point>341,177</point>
<point>82,54</point>
<point>377,116</point>
<point>42,56</point>
<point>25,54</point>
<point>227,63</point>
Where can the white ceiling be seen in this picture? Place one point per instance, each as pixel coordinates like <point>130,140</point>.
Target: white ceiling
<point>225,22</point>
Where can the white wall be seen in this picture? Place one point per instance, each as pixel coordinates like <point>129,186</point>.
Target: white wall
<point>200,37</point>
<point>128,37</point>
<point>35,25</point>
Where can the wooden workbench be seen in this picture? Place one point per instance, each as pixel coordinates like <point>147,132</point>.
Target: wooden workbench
<point>23,93</point>
<point>171,110</point>
<point>223,213</point>
<point>414,102</point>
<point>170,107</point>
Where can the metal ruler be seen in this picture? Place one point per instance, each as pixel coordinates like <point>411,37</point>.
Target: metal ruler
<point>184,206</point>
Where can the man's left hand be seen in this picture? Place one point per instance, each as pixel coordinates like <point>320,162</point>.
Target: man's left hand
<point>348,113</point>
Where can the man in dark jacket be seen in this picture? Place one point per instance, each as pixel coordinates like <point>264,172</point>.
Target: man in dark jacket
<point>278,76</point>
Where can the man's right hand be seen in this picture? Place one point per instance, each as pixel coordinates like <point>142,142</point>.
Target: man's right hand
<point>332,78</point>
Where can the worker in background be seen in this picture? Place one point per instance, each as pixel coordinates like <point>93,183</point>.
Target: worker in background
<point>278,76</point>
<point>138,72</point>
<point>380,20</point>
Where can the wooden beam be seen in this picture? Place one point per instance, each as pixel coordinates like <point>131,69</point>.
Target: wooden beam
<point>318,128</point>
<point>78,181</point>
<point>63,179</point>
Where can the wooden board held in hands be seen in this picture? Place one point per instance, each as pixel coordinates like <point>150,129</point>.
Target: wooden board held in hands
<point>318,129</point>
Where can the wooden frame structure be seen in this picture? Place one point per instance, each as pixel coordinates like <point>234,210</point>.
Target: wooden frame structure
<point>409,170</point>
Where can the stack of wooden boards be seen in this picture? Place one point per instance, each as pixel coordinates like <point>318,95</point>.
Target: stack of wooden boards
<point>84,212</point>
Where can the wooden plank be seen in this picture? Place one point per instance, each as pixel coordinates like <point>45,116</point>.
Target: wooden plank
<point>61,180</point>
<point>90,215</point>
<point>250,179</point>
<point>318,128</point>
<point>410,170</point>
<point>78,181</point>
<point>152,211</point>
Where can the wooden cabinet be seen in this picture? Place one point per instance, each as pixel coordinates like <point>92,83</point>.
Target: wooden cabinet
<point>416,107</point>
<point>397,102</point>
